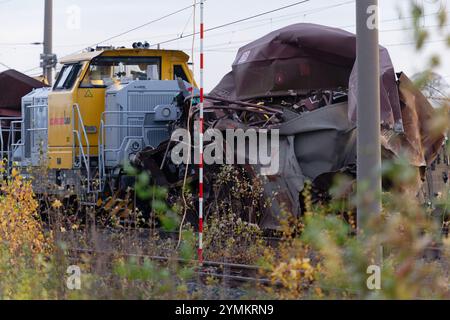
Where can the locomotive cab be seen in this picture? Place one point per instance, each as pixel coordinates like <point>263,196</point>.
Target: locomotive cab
<point>105,106</point>
<point>77,100</point>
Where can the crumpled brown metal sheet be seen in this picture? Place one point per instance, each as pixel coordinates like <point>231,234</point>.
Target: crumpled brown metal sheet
<point>418,113</point>
<point>304,57</point>
<point>420,143</point>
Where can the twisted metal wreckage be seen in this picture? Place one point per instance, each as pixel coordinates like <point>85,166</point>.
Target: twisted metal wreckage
<point>302,81</point>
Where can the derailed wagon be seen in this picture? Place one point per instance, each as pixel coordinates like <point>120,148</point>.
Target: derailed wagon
<point>301,80</point>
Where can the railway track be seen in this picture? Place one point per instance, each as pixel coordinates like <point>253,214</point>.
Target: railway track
<point>233,274</point>
<point>229,274</point>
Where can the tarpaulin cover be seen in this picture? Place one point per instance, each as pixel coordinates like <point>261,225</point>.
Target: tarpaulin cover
<point>304,57</point>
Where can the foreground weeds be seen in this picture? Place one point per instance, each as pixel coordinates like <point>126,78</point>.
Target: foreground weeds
<point>321,256</point>
<point>318,255</point>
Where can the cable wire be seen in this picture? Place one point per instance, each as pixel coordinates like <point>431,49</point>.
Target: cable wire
<point>139,27</point>
<point>232,22</point>
<point>5,65</point>
<point>186,170</point>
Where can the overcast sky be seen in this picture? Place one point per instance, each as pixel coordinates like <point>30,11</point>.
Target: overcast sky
<point>22,23</point>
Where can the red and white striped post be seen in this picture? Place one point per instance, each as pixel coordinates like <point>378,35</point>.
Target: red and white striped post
<point>201,162</point>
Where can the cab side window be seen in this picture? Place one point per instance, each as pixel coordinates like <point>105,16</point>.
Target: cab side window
<point>67,77</point>
<point>178,72</point>
<point>95,77</point>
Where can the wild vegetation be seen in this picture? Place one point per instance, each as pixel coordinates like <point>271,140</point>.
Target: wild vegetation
<point>318,255</point>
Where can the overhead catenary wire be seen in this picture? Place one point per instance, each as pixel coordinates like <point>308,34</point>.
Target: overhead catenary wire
<point>265,24</point>
<point>244,20</point>
<point>278,20</point>
<point>413,43</point>
<point>187,22</point>
<point>295,15</point>
<point>5,65</point>
<point>224,47</point>
<point>182,36</point>
<point>85,45</point>
<point>140,26</point>
<point>443,94</point>
<point>13,44</point>
<point>231,23</point>
<point>183,191</point>
<point>283,18</point>
<point>311,11</point>
<point>30,70</point>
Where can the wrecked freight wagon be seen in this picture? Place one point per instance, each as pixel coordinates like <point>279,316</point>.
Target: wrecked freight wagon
<point>302,81</point>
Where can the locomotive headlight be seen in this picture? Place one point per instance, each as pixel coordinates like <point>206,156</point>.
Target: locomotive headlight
<point>166,112</point>
<point>135,146</point>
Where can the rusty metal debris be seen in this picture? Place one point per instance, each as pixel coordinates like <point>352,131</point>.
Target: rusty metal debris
<point>301,80</point>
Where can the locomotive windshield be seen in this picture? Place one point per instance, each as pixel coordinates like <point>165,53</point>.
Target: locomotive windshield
<point>106,70</point>
<point>67,76</point>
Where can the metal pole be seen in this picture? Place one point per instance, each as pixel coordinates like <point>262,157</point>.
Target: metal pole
<point>368,119</point>
<point>201,164</point>
<point>48,41</point>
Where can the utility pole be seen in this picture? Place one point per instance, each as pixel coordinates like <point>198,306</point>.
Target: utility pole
<point>48,59</point>
<point>368,114</point>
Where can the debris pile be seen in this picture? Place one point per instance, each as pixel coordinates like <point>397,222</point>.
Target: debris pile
<point>302,81</point>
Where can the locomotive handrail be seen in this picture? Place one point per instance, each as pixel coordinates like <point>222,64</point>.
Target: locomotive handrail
<point>103,150</point>
<point>101,141</point>
<point>85,158</point>
<point>31,130</point>
<point>37,129</point>
<point>3,130</point>
<point>118,126</point>
<point>124,111</point>
<point>121,126</point>
<point>126,138</point>
<point>12,144</point>
<point>37,106</point>
<point>101,157</point>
